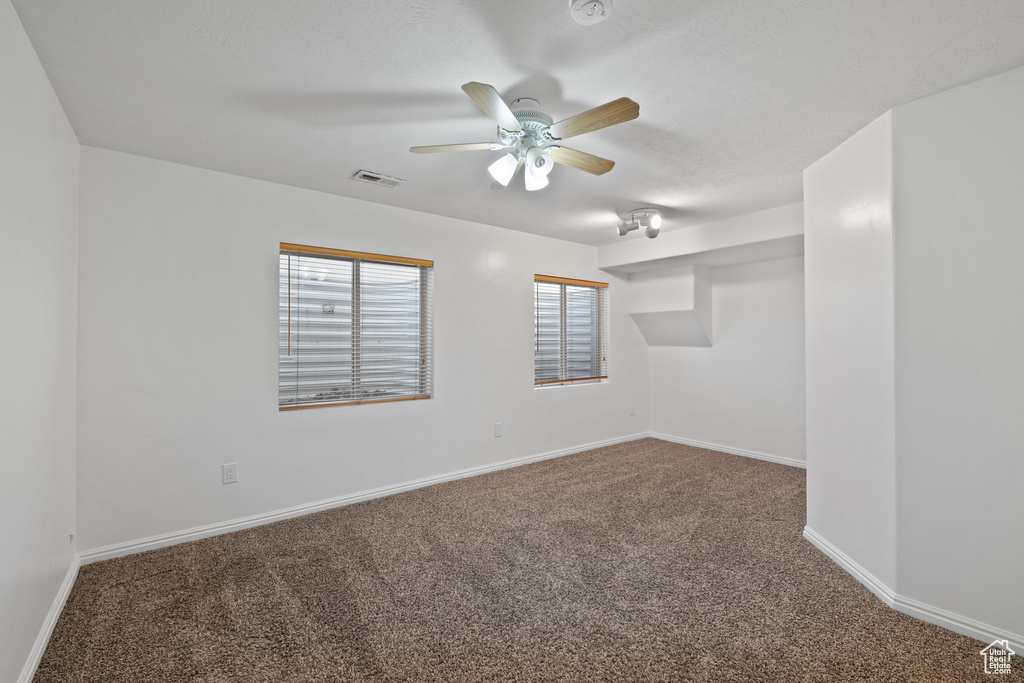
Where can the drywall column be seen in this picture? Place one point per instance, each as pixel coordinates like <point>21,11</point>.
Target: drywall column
<point>959,210</point>
<point>38,294</point>
<point>851,442</point>
<point>914,365</point>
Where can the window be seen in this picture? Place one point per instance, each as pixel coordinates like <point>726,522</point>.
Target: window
<point>354,328</point>
<point>570,330</point>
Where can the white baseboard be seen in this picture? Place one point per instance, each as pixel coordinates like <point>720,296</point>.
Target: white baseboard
<point>792,462</point>
<point>196,533</point>
<point>957,622</point>
<point>914,608</point>
<point>35,655</point>
<point>881,591</point>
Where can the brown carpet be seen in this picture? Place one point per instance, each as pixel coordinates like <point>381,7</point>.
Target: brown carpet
<point>646,561</point>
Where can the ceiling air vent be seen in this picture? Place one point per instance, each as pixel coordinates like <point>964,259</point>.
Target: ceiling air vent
<point>378,179</point>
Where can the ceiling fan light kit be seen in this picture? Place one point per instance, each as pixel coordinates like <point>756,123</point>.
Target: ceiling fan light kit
<point>504,168</point>
<point>535,181</point>
<point>531,137</point>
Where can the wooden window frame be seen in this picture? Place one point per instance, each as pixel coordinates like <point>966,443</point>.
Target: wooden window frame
<point>601,323</point>
<point>357,257</point>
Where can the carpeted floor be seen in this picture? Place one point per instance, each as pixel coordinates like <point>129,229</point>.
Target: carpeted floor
<point>646,561</point>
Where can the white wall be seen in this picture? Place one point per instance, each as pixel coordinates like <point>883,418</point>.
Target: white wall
<point>746,392</point>
<point>665,289</point>
<point>959,175</point>
<point>851,443</point>
<point>38,241</point>
<point>178,351</point>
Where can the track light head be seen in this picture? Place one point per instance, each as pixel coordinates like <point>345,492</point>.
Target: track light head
<point>626,228</point>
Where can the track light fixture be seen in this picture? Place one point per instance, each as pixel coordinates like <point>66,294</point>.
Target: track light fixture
<point>648,219</point>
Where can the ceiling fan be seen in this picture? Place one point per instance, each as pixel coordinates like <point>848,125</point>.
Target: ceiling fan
<point>532,140</point>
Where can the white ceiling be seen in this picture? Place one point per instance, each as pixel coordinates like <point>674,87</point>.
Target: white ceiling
<point>736,97</point>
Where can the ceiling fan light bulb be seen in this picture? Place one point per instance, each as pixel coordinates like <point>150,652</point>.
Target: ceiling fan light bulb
<point>656,222</point>
<point>538,161</point>
<point>535,181</point>
<point>503,169</point>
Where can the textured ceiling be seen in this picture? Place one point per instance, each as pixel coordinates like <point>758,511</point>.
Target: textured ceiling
<point>736,97</point>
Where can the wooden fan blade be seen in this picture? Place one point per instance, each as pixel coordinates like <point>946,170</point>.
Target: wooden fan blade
<point>581,160</point>
<point>619,111</point>
<point>462,147</point>
<point>490,102</point>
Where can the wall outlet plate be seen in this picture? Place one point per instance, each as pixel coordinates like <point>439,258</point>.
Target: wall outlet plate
<point>497,429</point>
<point>229,473</point>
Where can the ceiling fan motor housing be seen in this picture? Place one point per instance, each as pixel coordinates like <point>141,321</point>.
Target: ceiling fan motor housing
<point>535,124</point>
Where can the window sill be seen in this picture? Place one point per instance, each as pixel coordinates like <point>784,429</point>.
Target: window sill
<point>364,402</point>
<point>578,383</point>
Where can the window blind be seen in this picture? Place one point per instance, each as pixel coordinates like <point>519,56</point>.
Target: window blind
<point>354,328</point>
<point>571,331</point>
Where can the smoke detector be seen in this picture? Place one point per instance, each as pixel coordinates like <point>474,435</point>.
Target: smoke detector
<point>587,12</point>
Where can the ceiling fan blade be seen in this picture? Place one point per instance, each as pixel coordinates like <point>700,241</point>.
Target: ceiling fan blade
<point>581,160</point>
<point>619,111</point>
<point>462,147</point>
<point>488,99</point>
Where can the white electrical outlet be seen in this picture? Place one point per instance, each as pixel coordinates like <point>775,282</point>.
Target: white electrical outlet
<point>71,535</point>
<point>229,473</point>
<point>497,429</point>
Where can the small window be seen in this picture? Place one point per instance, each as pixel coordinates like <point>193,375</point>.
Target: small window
<point>570,330</point>
<point>354,328</point>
